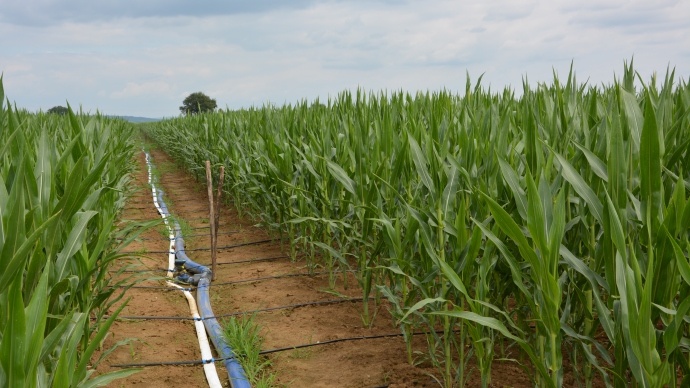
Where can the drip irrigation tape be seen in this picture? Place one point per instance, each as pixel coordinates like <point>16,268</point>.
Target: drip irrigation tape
<point>253,260</point>
<point>290,275</point>
<point>162,288</point>
<point>155,252</point>
<point>359,338</point>
<point>320,303</point>
<point>186,200</point>
<point>169,181</point>
<point>269,351</point>
<point>195,199</point>
<point>260,259</point>
<point>223,247</point>
<point>182,200</point>
<point>143,270</point>
<point>191,235</point>
<point>143,202</point>
<point>203,220</point>
<point>228,246</point>
<point>291,306</point>
<point>167,363</point>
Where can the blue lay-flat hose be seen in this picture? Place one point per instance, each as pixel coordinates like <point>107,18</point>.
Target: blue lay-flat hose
<point>238,378</point>
<point>236,373</point>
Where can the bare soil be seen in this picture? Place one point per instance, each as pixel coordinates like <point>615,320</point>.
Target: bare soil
<point>365,363</point>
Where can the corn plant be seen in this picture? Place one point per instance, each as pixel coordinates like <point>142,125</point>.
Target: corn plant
<point>61,185</point>
<point>556,221</point>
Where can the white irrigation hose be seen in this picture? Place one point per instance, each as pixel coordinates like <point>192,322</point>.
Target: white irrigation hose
<point>210,367</point>
<point>171,236</point>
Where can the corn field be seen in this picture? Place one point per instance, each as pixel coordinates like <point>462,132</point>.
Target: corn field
<point>553,224</point>
<point>62,183</point>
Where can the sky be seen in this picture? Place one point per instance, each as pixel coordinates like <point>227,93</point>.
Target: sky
<point>143,57</point>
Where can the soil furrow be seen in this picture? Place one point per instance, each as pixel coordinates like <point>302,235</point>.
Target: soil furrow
<point>366,363</point>
<point>358,364</point>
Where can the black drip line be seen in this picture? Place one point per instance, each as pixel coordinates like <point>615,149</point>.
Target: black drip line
<point>168,181</point>
<point>142,219</point>
<point>202,224</point>
<point>150,201</point>
<point>142,202</point>
<point>292,306</point>
<point>224,247</point>
<point>188,220</point>
<point>229,233</point>
<point>184,199</point>
<point>199,227</point>
<point>170,363</point>
<point>143,270</point>
<point>358,338</point>
<point>269,351</point>
<point>280,276</point>
<point>255,260</point>
<point>290,275</point>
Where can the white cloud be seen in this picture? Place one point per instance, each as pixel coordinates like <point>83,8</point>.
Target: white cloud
<point>48,12</point>
<point>133,89</point>
<point>144,61</point>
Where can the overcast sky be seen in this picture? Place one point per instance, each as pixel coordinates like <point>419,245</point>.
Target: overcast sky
<point>143,57</point>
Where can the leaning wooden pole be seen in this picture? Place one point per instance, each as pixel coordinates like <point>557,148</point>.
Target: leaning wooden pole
<point>219,191</point>
<point>211,219</point>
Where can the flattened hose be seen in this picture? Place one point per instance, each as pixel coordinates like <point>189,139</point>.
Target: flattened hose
<point>178,257</point>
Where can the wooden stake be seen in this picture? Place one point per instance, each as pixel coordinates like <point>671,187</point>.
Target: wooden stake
<point>219,192</point>
<point>211,219</point>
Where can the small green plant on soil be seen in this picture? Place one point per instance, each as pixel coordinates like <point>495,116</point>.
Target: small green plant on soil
<point>163,230</point>
<point>132,352</point>
<point>139,252</point>
<point>243,335</point>
<point>165,167</point>
<point>334,292</point>
<point>303,353</point>
<point>185,228</point>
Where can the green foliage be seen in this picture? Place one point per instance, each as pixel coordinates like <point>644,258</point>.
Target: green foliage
<point>62,179</point>
<point>197,103</point>
<point>244,337</point>
<point>558,221</point>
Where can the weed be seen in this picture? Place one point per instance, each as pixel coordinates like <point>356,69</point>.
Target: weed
<point>243,335</point>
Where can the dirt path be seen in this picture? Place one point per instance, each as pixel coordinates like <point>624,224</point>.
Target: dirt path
<point>152,340</point>
<point>367,363</point>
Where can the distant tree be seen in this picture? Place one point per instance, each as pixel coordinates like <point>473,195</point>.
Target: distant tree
<point>197,103</point>
<point>59,110</point>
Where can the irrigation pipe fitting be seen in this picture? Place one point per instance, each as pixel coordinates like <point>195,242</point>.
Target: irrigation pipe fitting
<point>202,278</point>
